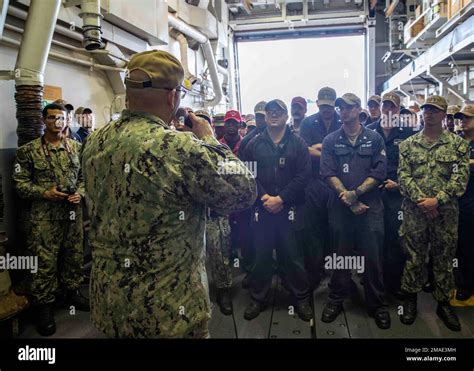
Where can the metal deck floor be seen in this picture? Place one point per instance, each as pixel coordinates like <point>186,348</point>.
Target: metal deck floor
<point>277,323</point>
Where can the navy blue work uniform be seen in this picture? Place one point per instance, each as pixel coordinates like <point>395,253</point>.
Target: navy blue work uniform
<point>247,249</point>
<point>282,170</point>
<point>465,253</point>
<point>352,164</point>
<point>316,236</point>
<point>393,255</point>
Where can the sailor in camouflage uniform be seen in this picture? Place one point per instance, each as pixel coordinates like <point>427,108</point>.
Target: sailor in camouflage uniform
<point>218,249</point>
<point>218,245</point>
<point>147,189</point>
<point>47,173</point>
<point>433,173</point>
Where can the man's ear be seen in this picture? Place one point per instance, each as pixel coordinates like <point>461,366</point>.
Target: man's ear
<point>172,98</point>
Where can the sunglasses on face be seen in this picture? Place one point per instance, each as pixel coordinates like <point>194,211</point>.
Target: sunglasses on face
<point>276,113</point>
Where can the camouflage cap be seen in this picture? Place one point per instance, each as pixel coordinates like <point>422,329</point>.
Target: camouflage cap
<point>251,122</point>
<point>218,119</point>
<point>436,101</point>
<point>326,97</point>
<point>260,107</point>
<point>467,110</point>
<point>162,68</point>
<point>348,98</point>
<point>276,102</point>
<point>375,98</point>
<point>204,114</point>
<point>453,109</point>
<point>391,97</point>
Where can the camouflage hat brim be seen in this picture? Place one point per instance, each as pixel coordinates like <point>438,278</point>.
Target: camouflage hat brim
<point>434,105</point>
<point>220,123</point>
<point>342,100</point>
<point>375,100</point>
<point>326,102</point>
<point>391,100</point>
<point>461,114</point>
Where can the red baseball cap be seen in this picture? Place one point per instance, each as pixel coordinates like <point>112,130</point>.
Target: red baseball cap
<point>299,101</point>
<point>233,115</point>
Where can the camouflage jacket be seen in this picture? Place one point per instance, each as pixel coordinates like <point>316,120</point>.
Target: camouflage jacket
<point>440,169</point>
<point>147,188</point>
<point>32,176</point>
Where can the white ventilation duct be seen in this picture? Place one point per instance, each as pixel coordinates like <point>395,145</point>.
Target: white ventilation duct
<point>91,30</point>
<point>36,42</point>
<point>208,54</point>
<point>183,47</point>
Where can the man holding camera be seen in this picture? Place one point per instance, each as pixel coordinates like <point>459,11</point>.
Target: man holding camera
<point>47,173</point>
<point>147,233</point>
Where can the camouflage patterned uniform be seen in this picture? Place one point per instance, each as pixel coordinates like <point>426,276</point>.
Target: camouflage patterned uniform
<point>218,250</point>
<point>56,234</point>
<point>438,170</point>
<point>147,190</point>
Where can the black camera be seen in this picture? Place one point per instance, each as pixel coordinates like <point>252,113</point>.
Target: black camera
<point>70,190</point>
<point>183,117</point>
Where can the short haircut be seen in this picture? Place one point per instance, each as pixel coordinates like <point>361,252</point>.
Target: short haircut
<point>52,106</point>
<point>69,107</point>
<point>86,111</point>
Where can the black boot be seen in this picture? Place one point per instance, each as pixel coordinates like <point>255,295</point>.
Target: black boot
<point>382,318</point>
<point>77,300</point>
<point>224,301</point>
<point>330,312</point>
<point>463,295</point>
<point>409,309</point>
<point>45,324</point>
<point>253,310</point>
<point>428,287</point>
<point>446,312</point>
<point>304,310</point>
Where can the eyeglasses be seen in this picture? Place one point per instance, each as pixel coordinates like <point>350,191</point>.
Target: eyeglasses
<point>54,117</point>
<point>182,90</point>
<point>276,113</point>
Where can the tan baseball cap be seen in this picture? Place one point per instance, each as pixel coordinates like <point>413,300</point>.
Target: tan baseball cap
<point>467,110</point>
<point>375,98</point>
<point>204,114</point>
<point>162,68</point>
<point>348,98</point>
<point>260,107</point>
<point>436,101</point>
<point>391,97</point>
<point>326,96</point>
<point>218,119</point>
<point>453,109</point>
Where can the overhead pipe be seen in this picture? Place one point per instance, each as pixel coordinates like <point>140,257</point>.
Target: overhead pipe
<point>91,28</point>
<point>183,47</point>
<point>225,83</point>
<point>70,59</point>
<point>208,55</point>
<point>71,47</point>
<point>22,14</point>
<point>30,66</point>
<point>36,42</point>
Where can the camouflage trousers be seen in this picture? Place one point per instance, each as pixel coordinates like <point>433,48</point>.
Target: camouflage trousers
<point>58,244</point>
<point>436,238</point>
<point>218,250</point>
